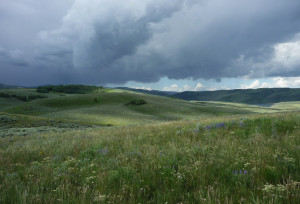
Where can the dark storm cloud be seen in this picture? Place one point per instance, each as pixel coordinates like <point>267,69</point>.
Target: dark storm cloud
<point>113,41</point>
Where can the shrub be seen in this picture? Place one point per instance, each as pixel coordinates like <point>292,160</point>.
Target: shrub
<point>5,95</point>
<point>42,90</point>
<point>70,89</point>
<point>22,98</point>
<point>136,102</point>
<point>33,97</point>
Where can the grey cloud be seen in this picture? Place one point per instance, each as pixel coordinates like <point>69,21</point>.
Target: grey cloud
<point>21,20</point>
<point>119,35</point>
<point>112,41</point>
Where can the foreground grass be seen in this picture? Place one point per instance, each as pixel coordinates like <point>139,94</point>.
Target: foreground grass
<point>253,159</point>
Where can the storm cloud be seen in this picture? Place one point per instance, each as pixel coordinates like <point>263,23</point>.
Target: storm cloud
<point>113,41</point>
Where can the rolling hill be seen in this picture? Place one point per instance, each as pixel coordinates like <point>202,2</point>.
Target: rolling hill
<point>111,107</point>
<point>152,92</point>
<point>249,96</point>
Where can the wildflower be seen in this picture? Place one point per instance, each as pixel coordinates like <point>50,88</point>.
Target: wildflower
<point>11,174</point>
<point>220,125</point>
<point>161,154</point>
<point>208,127</point>
<point>103,150</point>
<point>235,172</point>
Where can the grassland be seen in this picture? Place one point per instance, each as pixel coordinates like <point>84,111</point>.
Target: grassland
<point>59,149</point>
<point>108,107</point>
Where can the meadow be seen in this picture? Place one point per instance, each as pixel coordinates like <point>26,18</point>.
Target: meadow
<point>71,148</point>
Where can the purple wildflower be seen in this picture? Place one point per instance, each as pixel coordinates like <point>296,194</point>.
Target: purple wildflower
<point>12,174</point>
<point>103,150</point>
<point>220,125</point>
<point>235,172</point>
<point>208,127</point>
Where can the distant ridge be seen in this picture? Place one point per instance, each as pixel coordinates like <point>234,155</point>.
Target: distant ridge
<point>249,96</point>
<point>3,86</point>
<point>153,92</point>
<point>262,96</point>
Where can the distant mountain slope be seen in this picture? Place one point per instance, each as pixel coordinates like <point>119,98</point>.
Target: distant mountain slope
<point>3,86</point>
<point>250,96</point>
<point>153,92</point>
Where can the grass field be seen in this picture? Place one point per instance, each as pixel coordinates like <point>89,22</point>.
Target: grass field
<point>72,148</point>
<point>107,107</point>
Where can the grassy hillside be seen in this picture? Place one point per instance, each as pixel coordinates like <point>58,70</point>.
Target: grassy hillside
<point>250,96</point>
<point>108,107</point>
<point>253,159</point>
<point>152,92</point>
<point>119,146</point>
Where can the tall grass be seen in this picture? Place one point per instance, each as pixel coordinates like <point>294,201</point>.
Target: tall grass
<point>227,160</point>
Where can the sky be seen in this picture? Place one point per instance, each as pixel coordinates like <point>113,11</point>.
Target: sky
<point>178,45</point>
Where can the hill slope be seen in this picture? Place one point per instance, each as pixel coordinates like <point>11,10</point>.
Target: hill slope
<point>152,92</point>
<point>108,107</point>
<point>250,96</point>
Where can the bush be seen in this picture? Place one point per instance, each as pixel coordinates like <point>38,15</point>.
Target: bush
<point>32,97</point>
<point>22,98</point>
<point>42,90</point>
<point>70,89</point>
<point>136,102</point>
<point>5,95</point>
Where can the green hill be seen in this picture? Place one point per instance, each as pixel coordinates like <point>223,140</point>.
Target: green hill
<point>110,107</point>
<point>152,92</point>
<point>249,96</point>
